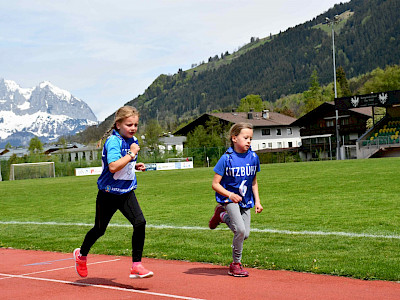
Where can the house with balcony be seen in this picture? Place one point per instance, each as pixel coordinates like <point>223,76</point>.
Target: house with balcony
<point>272,131</point>
<point>318,131</point>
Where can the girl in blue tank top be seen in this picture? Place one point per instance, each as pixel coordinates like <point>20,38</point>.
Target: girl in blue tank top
<point>236,191</point>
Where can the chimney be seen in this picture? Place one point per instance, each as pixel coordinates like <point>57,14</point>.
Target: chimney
<point>250,114</point>
<point>265,114</point>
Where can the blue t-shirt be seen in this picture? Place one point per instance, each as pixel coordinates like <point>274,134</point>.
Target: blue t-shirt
<point>124,180</point>
<point>238,171</point>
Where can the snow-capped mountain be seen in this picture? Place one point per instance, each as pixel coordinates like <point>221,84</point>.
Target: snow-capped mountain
<point>45,111</point>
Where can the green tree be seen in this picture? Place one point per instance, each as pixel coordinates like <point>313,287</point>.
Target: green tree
<point>251,102</point>
<point>152,134</point>
<point>379,112</point>
<point>291,105</point>
<point>286,111</point>
<point>216,132</point>
<point>197,138</point>
<point>63,142</point>
<point>342,83</point>
<point>8,146</point>
<point>383,80</point>
<point>35,145</point>
<point>212,134</point>
<point>313,96</point>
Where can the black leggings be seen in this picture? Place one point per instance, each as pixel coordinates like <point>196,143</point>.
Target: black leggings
<point>106,205</point>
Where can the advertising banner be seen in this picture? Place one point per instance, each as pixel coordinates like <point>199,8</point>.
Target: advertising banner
<point>149,167</point>
<point>88,171</point>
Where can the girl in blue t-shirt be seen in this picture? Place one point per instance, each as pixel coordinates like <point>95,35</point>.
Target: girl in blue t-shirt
<point>116,185</point>
<point>236,187</point>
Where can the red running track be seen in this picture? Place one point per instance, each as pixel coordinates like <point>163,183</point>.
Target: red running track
<point>47,275</point>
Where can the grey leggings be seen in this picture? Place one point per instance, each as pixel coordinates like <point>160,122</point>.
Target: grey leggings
<point>238,220</point>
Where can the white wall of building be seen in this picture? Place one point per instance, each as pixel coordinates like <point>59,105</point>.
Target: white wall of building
<point>275,137</point>
<point>178,148</point>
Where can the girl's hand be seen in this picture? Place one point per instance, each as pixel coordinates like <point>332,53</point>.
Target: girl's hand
<point>258,208</point>
<point>140,167</point>
<point>235,198</point>
<point>135,148</point>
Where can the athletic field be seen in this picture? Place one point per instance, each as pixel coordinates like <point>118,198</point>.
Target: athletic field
<point>332,217</point>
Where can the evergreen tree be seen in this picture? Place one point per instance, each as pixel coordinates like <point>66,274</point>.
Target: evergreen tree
<point>313,96</point>
<point>342,83</point>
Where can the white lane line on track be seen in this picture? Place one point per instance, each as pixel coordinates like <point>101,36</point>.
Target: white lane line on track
<point>287,232</point>
<point>69,267</point>
<point>99,286</point>
<point>47,262</point>
<point>63,268</point>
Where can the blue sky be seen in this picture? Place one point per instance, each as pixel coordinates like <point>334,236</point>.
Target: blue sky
<point>108,52</point>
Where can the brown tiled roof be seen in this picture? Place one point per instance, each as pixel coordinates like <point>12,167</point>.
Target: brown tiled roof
<point>275,119</point>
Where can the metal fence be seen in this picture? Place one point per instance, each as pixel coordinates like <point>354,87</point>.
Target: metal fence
<point>202,157</point>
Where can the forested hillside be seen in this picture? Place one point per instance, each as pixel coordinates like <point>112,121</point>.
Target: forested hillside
<point>366,37</point>
<point>370,38</point>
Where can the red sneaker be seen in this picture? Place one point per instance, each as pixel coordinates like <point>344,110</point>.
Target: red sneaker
<point>140,272</point>
<point>80,264</point>
<point>236,269</point>
<point>216,219</point>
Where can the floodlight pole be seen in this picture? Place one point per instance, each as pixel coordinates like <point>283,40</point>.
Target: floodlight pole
<point>332,22</point>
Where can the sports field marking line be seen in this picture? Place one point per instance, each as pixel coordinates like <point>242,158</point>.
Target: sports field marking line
<point>288,232</point>
<point>63,268</point>
<point>47,262</point>
<point>100,286</point>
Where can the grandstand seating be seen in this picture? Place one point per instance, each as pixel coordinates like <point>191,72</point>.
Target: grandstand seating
<point>387,134</point>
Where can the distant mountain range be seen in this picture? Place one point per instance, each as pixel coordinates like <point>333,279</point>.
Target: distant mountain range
<point>45,111</point>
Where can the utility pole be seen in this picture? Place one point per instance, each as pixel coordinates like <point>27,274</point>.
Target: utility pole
<point>332,22</point>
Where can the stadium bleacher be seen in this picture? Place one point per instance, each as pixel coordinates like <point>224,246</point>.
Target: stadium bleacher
<point>386,134</point>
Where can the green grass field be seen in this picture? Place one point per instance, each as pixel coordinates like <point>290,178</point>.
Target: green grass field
<point>331,217</point>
